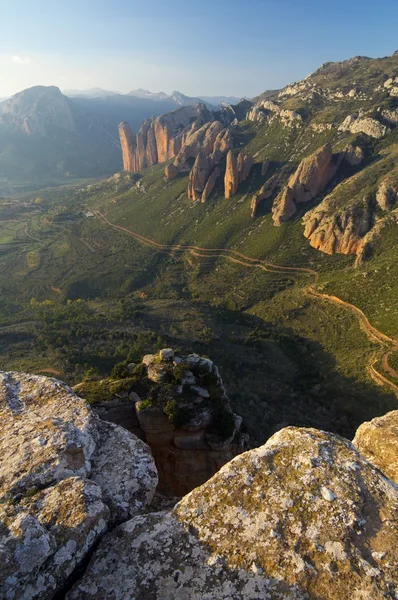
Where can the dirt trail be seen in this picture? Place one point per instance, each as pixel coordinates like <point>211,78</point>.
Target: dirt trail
<point>246,261</point>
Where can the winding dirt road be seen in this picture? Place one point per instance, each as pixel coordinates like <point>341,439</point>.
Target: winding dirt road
<point>374,334</point>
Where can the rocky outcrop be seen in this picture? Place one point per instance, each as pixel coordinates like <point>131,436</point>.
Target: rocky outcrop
<point>210,185</point>
<point>231,179</point>
<point>198,177</point>
<point>64,476</point>
<point>187,420</point>
<point>267,191</point>
<point>366,125</point>
<point>338,230</point>
<point>304,516</point>
<point>387,195</point>
<point>127,143</point>
<point>160,139</point>
<point>377,441</point>
<point>351,225</point>
<point>267,110</point>
<point>237,171</point>
<point>170,172</point>
<point>353,155</point>
<point>310,179</point>
<point>199,140</point>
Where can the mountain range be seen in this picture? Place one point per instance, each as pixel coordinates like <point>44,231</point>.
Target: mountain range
<point>50,137</point>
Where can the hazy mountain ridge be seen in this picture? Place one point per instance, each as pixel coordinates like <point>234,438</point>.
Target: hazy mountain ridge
<point>47,136</point>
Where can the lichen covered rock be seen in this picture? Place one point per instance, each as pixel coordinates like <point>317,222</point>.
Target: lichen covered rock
<point>64,476</point>
<point>304,516</point>
<point>377,441</point>
<point>187,420</point>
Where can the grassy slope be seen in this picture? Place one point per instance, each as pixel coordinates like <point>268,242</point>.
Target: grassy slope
<point>289,358</point>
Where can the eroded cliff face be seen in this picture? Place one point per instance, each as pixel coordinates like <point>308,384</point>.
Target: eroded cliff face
<point>297,518</point>
<point>159,139</point>
<point>346,223</point>
<point>237,170</point>
<point>338,231</point>
<point>311,177</point>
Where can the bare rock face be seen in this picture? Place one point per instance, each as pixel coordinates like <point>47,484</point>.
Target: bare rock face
<point>304,516</point>
<point>377,441</point>
<point>187,421</point>
<point>333,230</point>
<point>170,172</point>
<point>237,171</point>
<point>211,182</point>
<point>127,143</point>
<point>387,196</point>
<point>231,179</point>
<point>353,155</point>
<point>266,192</point>
<point>200,140</point>
<point>264,167</point>
<point>310,179</point>
<point>158,139</point>
<point>64,475</point>
<point>198,177</point>
<point>267,110</point>
<point>366,125</point>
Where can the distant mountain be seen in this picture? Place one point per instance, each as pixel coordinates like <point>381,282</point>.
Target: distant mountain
<point>95,92</point>
<point>177,97</point>
<point>46,136</point>
<point>217,100</point>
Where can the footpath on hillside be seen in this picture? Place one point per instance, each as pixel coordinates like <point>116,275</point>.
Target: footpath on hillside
<point>390,344</point>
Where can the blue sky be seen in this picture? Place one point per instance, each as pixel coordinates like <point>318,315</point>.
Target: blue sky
<point>206,47</point>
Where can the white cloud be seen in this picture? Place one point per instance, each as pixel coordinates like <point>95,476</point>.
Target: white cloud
<point>22,60</point>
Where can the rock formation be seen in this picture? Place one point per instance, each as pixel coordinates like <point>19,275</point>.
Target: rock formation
<point>387,195</point>
<point>353,155</point>
<point>187,420</point>
<point>159,139</point>
<point>237,171</point>
<point>64,476</point>
<point>371,127</point>
<point>266,192</point>
<point>269,110</point>
<point>126,141</point>
<point>347,223</point>
<point>304,516</point>
<point>332,229</point>
<point>377,441</point>
<point>211,182</point>
<point>198,177</point>
<point>310,179</point>
<point>208,145</point>
<point>199,140</point>
<point>231,179</point>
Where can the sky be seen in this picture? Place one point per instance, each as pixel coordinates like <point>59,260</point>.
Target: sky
<point>206,47</point>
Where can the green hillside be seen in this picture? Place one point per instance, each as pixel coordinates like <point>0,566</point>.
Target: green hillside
<point>79,295</point>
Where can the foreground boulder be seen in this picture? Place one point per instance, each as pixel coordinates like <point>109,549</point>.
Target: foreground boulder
<point>377,441</point>
<point>65,476</point>
<point>302,517</point>
<point>186,419</point>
